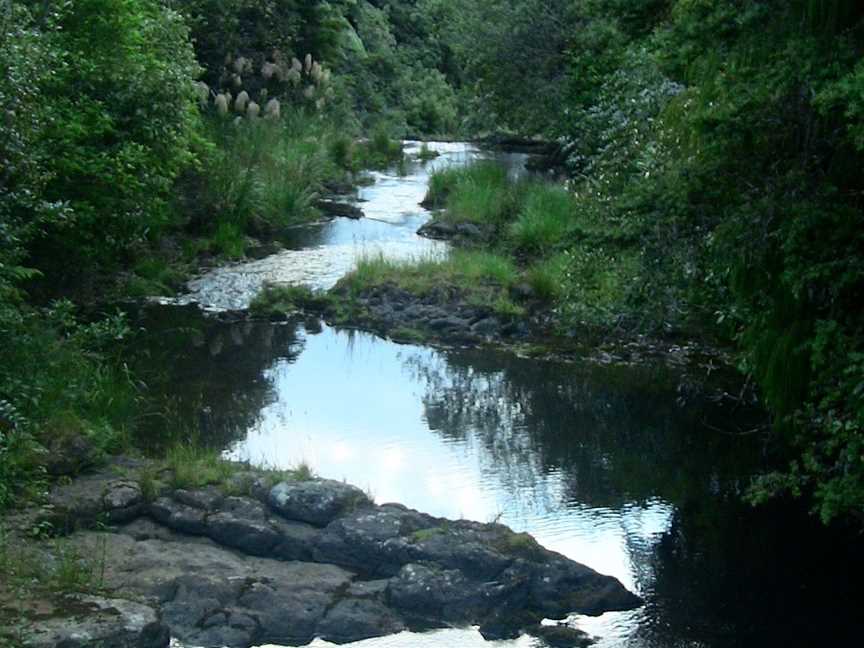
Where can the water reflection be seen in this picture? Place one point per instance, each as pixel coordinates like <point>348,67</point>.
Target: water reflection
<point>598,463</point>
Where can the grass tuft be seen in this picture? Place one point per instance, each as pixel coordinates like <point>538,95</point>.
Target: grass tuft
<point>284,298</point>
<point>544,219</point>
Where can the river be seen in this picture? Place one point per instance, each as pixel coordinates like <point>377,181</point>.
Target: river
<point>633,471</point>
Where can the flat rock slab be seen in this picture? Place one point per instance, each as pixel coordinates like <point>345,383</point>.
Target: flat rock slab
<point>210,595</point>
<point>317,558</point>
<point>89,621</point>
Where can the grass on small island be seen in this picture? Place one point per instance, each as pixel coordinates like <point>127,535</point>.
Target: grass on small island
<point>285,298</point>
<point>484,277</point>
<point>573,259</point>
<point>426,154</point>
<point>479,193</point>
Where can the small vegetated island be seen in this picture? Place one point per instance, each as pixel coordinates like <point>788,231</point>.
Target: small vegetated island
<point>693,195</point>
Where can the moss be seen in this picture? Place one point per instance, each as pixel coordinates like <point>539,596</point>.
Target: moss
<point>520,545</point>
<point>407,335</point>
<point>423,535</point>
<point>281,299</point>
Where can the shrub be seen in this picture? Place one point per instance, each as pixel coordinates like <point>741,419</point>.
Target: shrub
<point>122,102</point>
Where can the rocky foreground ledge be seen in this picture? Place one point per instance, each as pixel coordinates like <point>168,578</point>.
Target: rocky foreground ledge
<point>251,562</point>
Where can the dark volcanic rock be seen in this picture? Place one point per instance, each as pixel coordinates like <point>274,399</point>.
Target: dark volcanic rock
<point>90,621</point>
<point>263,250</point>
<point>316,502</point>
<point>69,454</point>
<point>355,619</point>
<point>561,636</point>
<point>243,523</point>
<point>432,593</point>
<point>178,516</point>
<point>465,232</point>
<point>100,497</point>
<point>340,209</point>
<point>222,570</point>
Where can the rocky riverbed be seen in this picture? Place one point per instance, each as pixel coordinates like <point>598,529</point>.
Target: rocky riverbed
<point>255,560</point>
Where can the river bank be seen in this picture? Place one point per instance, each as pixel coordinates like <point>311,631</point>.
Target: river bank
<point>263,557</point>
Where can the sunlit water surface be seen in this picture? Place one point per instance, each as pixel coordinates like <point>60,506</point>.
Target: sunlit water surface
<point>607,465</point>
<point>319,255</point>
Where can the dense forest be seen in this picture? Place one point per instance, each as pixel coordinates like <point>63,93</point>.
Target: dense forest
<point>713,148</point>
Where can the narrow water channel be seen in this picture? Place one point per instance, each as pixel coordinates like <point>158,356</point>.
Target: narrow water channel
<point>622,468</point>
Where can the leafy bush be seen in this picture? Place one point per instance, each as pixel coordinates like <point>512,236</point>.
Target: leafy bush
<point>123,115</point>
<point>60,377</point>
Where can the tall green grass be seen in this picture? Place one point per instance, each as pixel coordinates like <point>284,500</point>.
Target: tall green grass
<point>479,193</point>
<point>261,176</point>
<point>60,380</point>
<point>545,217</point>
<point>461,267</point>
<point>486,277</point>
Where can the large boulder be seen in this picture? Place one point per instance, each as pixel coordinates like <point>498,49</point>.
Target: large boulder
<point>317,502</point>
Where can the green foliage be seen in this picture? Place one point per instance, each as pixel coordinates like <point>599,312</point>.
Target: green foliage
<point>547,277</point>
<point>123,116</point>
<point>281,298</point>
<point>259,177</point>
<point>379,151</point>
<point>479,193</point>
<point>194,466</point>
<point>61,377</point>
<point>716,150</point>
<point>486,276</point>
<point>544,220</point>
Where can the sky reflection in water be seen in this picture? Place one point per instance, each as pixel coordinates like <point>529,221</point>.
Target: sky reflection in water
<point>369,423</point>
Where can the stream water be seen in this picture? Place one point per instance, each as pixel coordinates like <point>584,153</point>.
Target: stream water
<point>625,469</point>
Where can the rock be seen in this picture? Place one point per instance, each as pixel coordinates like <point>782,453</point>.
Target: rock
<point>469,231</point>
<point>435,594</point>
<point>317,502</point>
<point>88,621</point>
<point>522,292</point>
<point>561,636</point>
<point>228,570</point>
<point>242,523</point>
<point>339,209</point>
<point>179,517</point>
<point>374,589</point>
<point>486,327</point>
<point>70,454</point>
<point>375,541</point>
<point>356,619</point>
<point>91,499</point>
<point>444,231</point>
<point>339,188</point>
<point>448,324</point>
<point>213,596</point>
<point>207,499</point>
<point>296,540</point>
<point>439,230</point>
<point>262,251</point>
<point>565,586</point>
